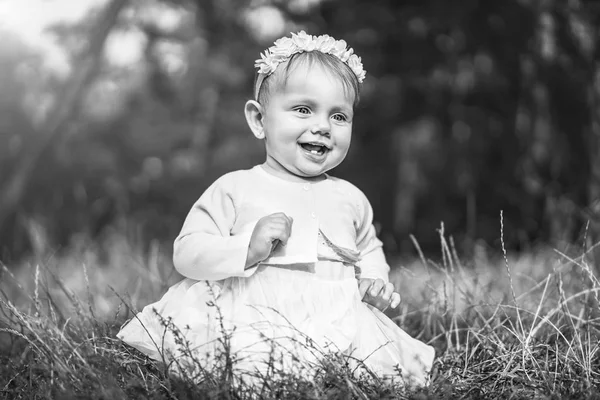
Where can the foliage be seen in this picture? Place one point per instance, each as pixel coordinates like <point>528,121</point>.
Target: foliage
<point>528,329</point>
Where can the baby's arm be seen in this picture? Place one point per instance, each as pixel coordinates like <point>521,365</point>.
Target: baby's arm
<point>374,285</point>
<point>205,248</point>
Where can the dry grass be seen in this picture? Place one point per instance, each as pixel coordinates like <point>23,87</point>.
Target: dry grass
<point>515,326</point>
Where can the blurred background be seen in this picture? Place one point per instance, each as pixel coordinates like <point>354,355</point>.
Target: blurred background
<point>115,115</point>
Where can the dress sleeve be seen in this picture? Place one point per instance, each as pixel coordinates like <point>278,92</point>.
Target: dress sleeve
<point>205,248</point>
<point>372,264</point>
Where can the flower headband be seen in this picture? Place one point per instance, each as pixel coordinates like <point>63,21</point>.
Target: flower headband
<point>285,47</point>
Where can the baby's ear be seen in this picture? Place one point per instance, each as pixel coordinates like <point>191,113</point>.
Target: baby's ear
<point>254,117</point>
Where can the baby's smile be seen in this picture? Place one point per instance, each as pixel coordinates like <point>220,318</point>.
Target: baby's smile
<point>315,148</point>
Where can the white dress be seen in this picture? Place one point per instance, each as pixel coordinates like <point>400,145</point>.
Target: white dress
<point>290,315</point>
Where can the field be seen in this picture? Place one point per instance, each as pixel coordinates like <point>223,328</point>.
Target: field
<point>504,325</point>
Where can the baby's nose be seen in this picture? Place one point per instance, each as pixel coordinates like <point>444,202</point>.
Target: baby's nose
<point>322,127</point>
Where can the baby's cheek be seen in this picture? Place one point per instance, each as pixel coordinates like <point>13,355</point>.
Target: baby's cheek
<point>344,143</point>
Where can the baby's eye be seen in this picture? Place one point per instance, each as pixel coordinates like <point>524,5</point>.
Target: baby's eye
<point>340,117</point>
<point>303,110</point>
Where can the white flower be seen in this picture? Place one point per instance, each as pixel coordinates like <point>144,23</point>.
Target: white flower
<point>277,58</point>
<point>339,48</point>
<point>284,47</point>
<point>355,64</point>
<point>304,41</point>
<point>266,64</point>
<point>324,43</point>
<point>346,55</point>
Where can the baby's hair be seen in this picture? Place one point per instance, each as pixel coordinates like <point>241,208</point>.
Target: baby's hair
<point>329,62</point>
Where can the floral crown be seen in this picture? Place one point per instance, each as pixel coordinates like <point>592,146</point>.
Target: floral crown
<point>285,47</point>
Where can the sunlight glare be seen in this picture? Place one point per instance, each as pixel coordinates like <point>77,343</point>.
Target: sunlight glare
<point>265,22</point>
<point>30,19</point>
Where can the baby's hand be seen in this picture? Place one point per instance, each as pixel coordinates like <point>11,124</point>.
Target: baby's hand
<point>267,234</point>
<point>378,293</point>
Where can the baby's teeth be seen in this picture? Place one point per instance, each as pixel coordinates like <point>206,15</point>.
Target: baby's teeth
<point>314,152</point>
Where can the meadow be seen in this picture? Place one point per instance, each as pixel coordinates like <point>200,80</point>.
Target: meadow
<point>504,326</point>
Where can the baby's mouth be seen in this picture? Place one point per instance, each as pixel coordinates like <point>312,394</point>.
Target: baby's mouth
<point>314,148</point>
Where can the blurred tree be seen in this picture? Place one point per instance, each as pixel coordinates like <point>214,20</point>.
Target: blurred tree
<point>64,107</point>
<point>590,13</point>
<point>561,151</point>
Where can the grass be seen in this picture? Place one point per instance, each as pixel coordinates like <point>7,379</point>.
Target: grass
<point>516,326</point>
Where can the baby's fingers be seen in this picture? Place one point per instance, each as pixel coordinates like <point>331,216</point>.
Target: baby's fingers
<point>363,286</point>
<point>287,229</point>
<point>283,231</point>
<point>279,233</point>
<point>396,299</point>
<point>387,292</point>
<point>377,288</point>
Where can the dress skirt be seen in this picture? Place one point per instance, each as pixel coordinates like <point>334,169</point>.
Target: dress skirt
<point>289,316</point>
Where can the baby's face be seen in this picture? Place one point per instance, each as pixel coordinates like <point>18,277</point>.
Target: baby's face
<point>307,124</point>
